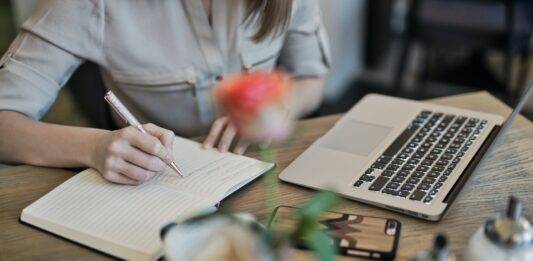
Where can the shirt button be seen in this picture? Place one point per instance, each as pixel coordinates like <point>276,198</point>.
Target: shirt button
<point>219,78</point>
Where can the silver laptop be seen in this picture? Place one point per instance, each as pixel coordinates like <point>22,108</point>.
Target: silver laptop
<point>407,156</point>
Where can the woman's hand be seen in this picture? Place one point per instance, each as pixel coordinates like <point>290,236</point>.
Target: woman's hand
<point>223,134</point>
<point>128,156</point>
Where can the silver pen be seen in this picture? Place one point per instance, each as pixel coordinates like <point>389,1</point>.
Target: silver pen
<point>126,115</point>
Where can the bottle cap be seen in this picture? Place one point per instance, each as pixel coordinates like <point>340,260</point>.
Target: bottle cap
<point>510,229</point>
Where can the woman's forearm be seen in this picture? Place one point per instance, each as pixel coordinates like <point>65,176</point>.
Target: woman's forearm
<point>25,141</point>
<point>306,96</point>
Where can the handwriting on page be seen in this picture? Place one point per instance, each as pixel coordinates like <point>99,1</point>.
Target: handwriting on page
<point>215,178</point>
<point>207,171</point>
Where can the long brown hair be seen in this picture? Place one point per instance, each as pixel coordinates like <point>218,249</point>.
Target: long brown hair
<point>273,16</point>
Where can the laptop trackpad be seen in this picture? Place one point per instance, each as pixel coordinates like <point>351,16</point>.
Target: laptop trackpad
<point>355,137</point>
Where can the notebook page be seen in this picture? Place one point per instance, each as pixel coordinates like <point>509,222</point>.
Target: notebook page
<point>217,179</point>
<point>209,173</point>
<point>190,156</point>
<point>130,216</point>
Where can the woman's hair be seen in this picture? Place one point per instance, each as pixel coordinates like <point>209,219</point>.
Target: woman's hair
<point>273,16</point>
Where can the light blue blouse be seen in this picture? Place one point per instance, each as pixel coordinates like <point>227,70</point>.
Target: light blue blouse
<point>162,58</point>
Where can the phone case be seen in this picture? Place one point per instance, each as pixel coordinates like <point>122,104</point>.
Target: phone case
<point>353,235</point>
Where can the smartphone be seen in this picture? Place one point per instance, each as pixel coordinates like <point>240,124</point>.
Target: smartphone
<point>351,234</point>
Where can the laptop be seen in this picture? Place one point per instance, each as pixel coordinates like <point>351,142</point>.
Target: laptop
<point>407,156</point>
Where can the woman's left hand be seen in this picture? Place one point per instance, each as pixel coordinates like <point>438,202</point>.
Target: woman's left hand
<point>223,133</point>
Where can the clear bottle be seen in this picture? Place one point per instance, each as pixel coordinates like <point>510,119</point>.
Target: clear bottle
<point>505,236</point>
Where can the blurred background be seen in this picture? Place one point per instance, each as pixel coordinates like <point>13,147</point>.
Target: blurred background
<point>417,49</point>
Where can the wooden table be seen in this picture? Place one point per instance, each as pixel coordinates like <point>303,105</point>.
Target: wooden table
<point>509,172</point>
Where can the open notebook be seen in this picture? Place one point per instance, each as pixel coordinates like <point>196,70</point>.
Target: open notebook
<point>124,221</point>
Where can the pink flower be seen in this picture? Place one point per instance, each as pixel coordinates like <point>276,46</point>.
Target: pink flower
<point>256,104</point>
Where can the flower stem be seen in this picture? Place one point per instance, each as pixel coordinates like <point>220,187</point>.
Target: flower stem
<point>272,190</point>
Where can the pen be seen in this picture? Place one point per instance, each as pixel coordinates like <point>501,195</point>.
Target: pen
<point>126,115</point>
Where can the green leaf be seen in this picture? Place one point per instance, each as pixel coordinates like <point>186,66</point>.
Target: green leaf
<point>321,243</point>
<point>308,230</point>
<point>319,204</point>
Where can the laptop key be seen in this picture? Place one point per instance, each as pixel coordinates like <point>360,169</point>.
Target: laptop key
<point>422,168</point>
<point>443,178</point>
<point>403,173</point>
<point>442,163</point>
<point>446,156</point>
<point>460,119</point>
<point>413,180</point>
<point>379,183</point>
<point>440,146</point>
<point>358,183</point>
<point>417,156</point>
<point>384,159</point>
<point>403,193</point>
<point>428,180</point>
<point>387,173</point>
<point>408,167</point>
<point>427,162</point>
<point>390,191</point>
<point>424,187</point>
<point>432,157</point>
<point>369,171</point>
<point>408,187</point>
<point>417,195</point>
<point>417,174</point>
<point>393,167</point>
<point>398,143</point>
<point>428,199</point>
<point>393,185</point>
<point>438,168</point>
<point>451,151</point>
<point>407,150</point>
<point>413,161</point>
<point>366,178</point>
<point>438,185</point>
<point>426,145</point>
<point>378,166</point>
<point>433,192</point>
<point>452,165</point>
<point>433,174</point>
<point>422,150</point>
<point>397,161</point>
<point>436,151</point>
<point>403,156</point>
<point>398,179</point>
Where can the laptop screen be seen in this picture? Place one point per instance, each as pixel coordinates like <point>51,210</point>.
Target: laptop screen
<point>524,99</point>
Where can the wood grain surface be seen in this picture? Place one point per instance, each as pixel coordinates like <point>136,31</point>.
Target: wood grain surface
<point>509,172</point>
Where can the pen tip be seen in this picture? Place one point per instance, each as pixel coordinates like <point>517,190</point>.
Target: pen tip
<point>176,169</point>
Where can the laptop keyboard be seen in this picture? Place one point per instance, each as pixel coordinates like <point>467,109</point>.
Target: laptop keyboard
<point>417,164</point>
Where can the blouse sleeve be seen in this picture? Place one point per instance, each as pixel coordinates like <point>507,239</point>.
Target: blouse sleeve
<point>51,45</point>
<point>305,52</point>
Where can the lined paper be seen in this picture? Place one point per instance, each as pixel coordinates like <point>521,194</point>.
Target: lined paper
<point>209,172</point>
<point>127,215</point>
<point>87,207</point>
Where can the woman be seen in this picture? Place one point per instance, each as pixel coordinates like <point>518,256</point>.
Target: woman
<point>162,58</point>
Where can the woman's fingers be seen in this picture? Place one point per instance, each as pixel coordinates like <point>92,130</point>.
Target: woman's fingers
<point>227,138</point>
<point>142,159</point>
<point>119,178</point>
<point>214,133</point>
<point>133,172</point>
<point>148,144</point>
<point>165,136</point>
<point>241,147</point>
